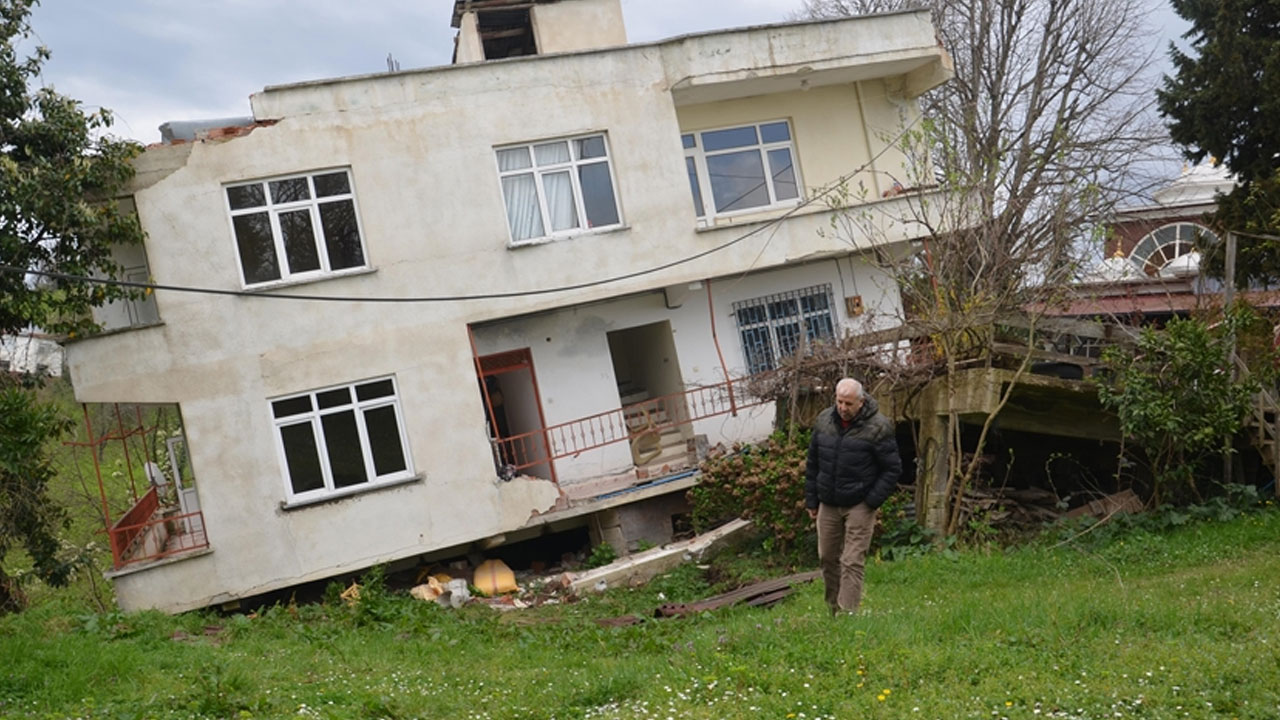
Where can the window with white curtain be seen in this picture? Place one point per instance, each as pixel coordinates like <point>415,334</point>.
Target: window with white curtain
<point>557,187</point>
<point>751,167</point>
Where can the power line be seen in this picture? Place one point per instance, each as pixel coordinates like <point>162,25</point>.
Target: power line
<point>481,296</point>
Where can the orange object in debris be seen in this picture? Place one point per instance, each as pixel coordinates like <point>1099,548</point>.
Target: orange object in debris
<point>430,590</point>
<point>493,577</point>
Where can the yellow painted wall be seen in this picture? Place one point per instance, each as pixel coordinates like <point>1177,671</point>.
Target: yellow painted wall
<point>827,129</point>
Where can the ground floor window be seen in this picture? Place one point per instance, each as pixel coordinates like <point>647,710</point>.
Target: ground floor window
<point>341,439</point>
<point>775,326</point>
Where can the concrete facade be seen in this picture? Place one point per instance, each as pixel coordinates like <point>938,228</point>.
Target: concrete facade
<point>441,271</point>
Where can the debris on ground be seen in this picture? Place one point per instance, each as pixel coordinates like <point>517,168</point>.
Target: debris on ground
<point>1031,508</point>
<point>493,577</point>
<point>1125,501</point>
<point>351,595</point>
<point>500,588</point>
<point>761,594</point>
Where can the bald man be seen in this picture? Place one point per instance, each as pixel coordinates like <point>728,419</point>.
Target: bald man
<point>852,469</point>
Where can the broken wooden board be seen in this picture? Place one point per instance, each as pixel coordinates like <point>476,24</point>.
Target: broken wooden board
<point>1125,501</point>
<point>765,593</point>
<point>761,594</point>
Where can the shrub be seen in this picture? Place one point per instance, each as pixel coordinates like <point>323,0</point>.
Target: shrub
<point>763,483</point>
<point>1177,397</point>
<point>601,555</point>
<point>898,535</point>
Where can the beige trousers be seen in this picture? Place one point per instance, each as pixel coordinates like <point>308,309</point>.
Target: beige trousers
<point>844,534</point>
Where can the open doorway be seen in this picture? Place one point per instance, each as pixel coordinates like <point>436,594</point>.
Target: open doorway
<point>514,414</point>
<point>650,389</point>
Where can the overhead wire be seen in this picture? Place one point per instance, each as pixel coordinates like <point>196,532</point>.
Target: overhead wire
<point>264,294</point>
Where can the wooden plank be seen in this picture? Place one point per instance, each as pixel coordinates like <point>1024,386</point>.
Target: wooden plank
<point>771,598</point>
<point>742,594</point>
<point>497,34</point>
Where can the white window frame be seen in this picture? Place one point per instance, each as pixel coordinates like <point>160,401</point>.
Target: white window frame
<point>1181,236</point>
<point>572,166</point>
<point>313,418</point>
<point>772,325</point>
<point>274,210</point>
<point>705,197</point>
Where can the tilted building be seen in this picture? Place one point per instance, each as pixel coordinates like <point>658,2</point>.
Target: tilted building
<point>464,305</point>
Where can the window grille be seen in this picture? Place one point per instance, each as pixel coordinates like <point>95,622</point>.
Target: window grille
<point>776,326</point>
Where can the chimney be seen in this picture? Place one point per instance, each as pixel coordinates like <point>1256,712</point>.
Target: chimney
<point>496,29</point>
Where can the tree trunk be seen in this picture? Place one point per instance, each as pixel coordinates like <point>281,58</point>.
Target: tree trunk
<point>12,599</point>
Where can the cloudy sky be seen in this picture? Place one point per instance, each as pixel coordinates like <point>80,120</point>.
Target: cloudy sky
<point>151,61</point>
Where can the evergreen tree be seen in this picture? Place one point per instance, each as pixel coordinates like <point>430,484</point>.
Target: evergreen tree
<point>1223,102</point>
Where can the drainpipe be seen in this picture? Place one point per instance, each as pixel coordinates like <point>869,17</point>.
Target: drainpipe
<point>733,406</point>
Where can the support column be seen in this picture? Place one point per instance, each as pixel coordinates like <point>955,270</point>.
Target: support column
<point>932,474</point>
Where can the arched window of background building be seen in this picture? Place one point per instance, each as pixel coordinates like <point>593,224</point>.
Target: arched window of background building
<point>1161,246</point>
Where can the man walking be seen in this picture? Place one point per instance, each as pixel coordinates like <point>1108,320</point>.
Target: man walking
<point>852,469</point>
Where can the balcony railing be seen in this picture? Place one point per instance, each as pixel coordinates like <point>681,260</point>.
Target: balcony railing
<point>570,439</point>
<point>150,531</point>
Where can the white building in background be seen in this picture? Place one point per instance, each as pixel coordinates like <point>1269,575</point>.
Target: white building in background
<point>551,257</point>
<point>30,353</point>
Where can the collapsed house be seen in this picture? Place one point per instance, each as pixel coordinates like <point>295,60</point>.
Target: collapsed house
<point>455,307</point>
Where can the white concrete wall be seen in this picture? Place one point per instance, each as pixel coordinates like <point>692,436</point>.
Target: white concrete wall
<point>420,150</point>
<point>469,48</point>
<point>575,371</point>
<point>28,354</point>
<point>573,25</point>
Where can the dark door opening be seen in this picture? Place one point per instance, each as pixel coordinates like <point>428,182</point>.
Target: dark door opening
<point>514,414</point>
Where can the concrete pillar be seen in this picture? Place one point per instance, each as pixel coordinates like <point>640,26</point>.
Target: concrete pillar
<point>626,526</point>
<point>932,474</point>
<point>606,527</point>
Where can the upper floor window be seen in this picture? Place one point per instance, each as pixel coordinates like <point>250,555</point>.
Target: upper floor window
<point>296,227</point>
<point>341,439</point>
<point>1159,248</point>
<point>741,168</point>
<point>775,326</point>
<point>557,187</point>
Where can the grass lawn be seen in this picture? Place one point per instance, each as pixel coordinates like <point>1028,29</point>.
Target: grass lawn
<point>1180,624</point>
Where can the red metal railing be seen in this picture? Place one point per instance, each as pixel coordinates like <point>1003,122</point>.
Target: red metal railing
<point>147,532</point>
<point>613,426</point>
<point>126,530</point>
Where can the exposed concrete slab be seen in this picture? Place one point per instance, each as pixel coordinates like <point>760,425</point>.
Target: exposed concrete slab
<point>645,565</point>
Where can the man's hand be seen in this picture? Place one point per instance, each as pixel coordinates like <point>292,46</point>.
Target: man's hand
<point>813,513</point>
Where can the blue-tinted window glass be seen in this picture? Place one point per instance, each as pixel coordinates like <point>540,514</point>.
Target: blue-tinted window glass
<point>731,138</point>
<point>737,180</point>
<point>775,132</point>
<point>694,187</point>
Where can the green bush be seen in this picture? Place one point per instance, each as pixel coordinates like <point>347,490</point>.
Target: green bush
<point>1177,396</point>
<point>763,483</point>
<point>601,555</point>
<point>898,535</point>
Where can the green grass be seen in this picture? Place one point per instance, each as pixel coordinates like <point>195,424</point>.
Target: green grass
<point>1178,624</point>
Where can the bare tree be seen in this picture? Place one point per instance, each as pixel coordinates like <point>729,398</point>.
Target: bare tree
<point>1046,126</point>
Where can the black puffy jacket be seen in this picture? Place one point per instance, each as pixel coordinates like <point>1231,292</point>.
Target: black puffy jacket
<point>857,465</point>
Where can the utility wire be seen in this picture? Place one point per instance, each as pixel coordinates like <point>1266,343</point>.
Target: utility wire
<point>482,296</point>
